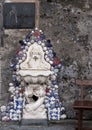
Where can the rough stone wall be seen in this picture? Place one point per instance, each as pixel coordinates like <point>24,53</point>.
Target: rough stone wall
<point>68,23</point>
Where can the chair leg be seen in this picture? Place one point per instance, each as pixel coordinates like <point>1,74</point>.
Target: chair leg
<point>80,114</point>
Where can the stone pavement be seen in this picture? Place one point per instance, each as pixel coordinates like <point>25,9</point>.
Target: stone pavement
<point>54,127</point>
<point>59,125</point>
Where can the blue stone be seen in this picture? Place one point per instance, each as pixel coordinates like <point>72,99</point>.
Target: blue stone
<point>56,96</point>
<point>62,112</point>
<point>57,105</point>
<point>22,47</point>
<point>48,44</point>
<point>3,114</point>
<point>56,70</point>
<point>28,36</point>
<point>11,106</point>
<point>22,42</point>
<point>14,77</point>
<point>60,104</point>
<point>60,66</point>
<point>11,99</point>
<point>17,83</point>
<point>54,54</point>
<point>11,65</point>
<point>42,36</point>
<point>54,82</point>
<point>52,106</point>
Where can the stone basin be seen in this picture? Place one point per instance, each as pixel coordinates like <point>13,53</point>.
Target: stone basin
<point>30,76</point>
<point>34,72</point>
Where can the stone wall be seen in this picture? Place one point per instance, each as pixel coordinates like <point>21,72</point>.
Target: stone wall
<point>68,23</point>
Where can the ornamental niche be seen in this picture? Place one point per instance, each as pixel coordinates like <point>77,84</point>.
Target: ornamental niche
<point>34,90</point>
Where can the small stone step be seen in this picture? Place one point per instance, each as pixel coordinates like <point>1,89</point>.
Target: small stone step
<point>37,122</point>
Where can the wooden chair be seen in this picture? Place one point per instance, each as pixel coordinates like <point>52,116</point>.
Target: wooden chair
<point>82,104</point>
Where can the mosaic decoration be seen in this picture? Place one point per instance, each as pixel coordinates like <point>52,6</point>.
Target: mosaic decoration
<point>17,102</point>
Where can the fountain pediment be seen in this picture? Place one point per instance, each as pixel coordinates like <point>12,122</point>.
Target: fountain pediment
<point>35,64</point>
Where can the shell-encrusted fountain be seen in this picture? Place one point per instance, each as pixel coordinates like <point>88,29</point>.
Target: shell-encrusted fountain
<point>34,91</point>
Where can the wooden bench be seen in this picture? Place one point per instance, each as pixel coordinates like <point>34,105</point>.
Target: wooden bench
<point>82,104</point>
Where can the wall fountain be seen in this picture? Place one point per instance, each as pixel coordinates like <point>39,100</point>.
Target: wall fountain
<point>34,90</point>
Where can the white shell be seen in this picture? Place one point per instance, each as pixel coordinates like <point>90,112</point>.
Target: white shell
<point>45,48</point>
<point>39,42</point>
<point>52,68</point>
<point>62,108</point>
<point>28,43</point>
<point>47,105</point>
<point>51,62</point>
<point>32,31</point>
<point>52,102</point>
<point>55,110</point>
<point>20,94</point>
<point>17,66</point>
<point>24,41</point>
<point>43,44</point>
<point>18,111</point>
<point>46,52</point>
<point>3,108</point>
<point>48,94</point>
<point>17,91</point>
<point>46,56</point>
<point>11,110</point>
<point>53,77</point>
<point>53,89</point>
<point>10,84</point>
<point>11,89</point>
<point>53,118</point>
<point>49,86</point>
<point>56,86</point>
<point>32,41</point>
<point>36,28</point>
<point>12,95</point>
<point>52,99</point>
<point>19,106</point>
<point>18,78</point>
<point>63,116</point>
<point>24,51</point>
<point>24,54</point>
<point>20,99</point>
<point>35,42</point>
<point>46,101</point>
<point>20,61</point>
<point>40,31</point>
<point>23,58</point>
<point>47,59</point>
<point>50,51</point>
<point>5,118</point>
<point>15,118</point>
<point>17,88</point>
<point>26,47</point>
